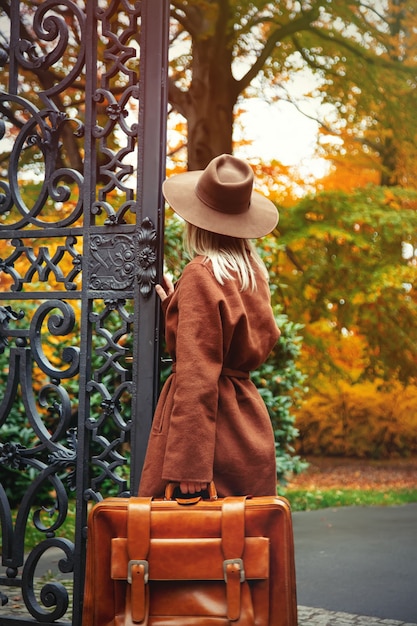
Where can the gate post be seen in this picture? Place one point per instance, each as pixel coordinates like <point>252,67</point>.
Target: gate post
<point>151,172</point>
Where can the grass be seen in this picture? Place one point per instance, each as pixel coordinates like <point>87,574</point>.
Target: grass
<point>300,500</point>
<point>313,499</point>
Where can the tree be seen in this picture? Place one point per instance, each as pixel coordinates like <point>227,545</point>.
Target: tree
<point>375,130</point>
<point>223,45</point>
<point>225,50</point>
<point>346,270</point>
<point>42,74</point>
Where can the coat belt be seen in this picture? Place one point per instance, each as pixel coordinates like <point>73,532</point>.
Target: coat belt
<point>226,371</point>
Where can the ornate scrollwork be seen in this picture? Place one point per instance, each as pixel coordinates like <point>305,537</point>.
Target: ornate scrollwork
<point>64,458</point>
<point>42,130</point>
<point>53,594</point>
<point>108,460</point>
<point>54,28</point>
<point>6,314</point>
<point>46,519</point>
<point>43,264</point>
<point>117,259</point>
<point>10,455</point>
<point>59,324</point>
<point>117,111</point>
<point>119,66</point>
<point>110,404</point>
<point>78,257</point>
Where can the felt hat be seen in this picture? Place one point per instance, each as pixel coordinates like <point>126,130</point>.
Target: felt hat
<point>221,199</point>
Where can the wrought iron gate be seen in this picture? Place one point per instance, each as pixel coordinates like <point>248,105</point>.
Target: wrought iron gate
<point>82,158</point>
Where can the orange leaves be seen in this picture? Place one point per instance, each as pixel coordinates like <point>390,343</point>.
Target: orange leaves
<point>341,473</point>
<point>360,420</point>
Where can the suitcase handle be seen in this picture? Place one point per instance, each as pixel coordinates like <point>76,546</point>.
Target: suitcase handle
<point>172,492</point>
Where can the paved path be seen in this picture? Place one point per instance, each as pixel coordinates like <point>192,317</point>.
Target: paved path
<point>309,616</point>
<point>357,561</point>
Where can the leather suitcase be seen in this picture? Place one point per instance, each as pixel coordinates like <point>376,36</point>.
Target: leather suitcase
<point>206,563</point>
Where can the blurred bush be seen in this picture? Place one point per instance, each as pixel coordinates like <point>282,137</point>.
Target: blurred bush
<point>366,420</point>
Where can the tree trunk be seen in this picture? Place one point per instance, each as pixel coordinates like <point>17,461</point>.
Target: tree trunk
<point>209,102</point>
<point>389,161</point>
<point>210,122</point>
<point>212,98</point>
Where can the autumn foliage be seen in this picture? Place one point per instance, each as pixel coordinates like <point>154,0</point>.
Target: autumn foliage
<point>363,420</point>
<point>344,266</point>
<point>338,269</point>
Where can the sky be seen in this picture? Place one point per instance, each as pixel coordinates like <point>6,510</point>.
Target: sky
<point>279,132</point>
<point>278,129</point>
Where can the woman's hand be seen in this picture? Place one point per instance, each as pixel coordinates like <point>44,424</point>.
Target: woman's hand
<point>166,289</point>
<point>192,487</point>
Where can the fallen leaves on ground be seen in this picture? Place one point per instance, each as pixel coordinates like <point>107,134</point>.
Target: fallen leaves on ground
<point>341,473</point>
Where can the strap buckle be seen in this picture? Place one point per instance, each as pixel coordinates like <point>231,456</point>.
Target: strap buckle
<point>239,563</point>
<point>145,567</point>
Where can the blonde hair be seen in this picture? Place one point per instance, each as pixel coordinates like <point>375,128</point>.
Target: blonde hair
<point>228,255</point>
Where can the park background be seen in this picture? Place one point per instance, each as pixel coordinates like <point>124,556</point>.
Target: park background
<point>342,382</point>
<point>324,108</point>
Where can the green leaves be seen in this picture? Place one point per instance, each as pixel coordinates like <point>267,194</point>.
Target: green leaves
<point>281,385</point>
<point>344,264</point>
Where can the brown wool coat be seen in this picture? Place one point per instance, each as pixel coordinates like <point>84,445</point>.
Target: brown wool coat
<point>211,423</point>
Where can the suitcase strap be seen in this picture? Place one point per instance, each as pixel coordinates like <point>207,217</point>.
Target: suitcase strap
<point>139,537</point>
<point>233,543</point>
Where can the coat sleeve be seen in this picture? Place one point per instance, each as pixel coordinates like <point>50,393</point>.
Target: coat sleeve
<point>199,359</point>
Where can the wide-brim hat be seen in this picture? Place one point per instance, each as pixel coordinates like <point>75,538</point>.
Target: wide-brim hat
<point>221,199</point>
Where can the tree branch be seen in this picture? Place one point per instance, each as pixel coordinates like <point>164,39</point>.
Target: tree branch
<point>361,53</point>
<point>302,23</point>
<point>291,255</point>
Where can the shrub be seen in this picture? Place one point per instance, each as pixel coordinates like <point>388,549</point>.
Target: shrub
<point>362,420</point>
<point>281,385</point>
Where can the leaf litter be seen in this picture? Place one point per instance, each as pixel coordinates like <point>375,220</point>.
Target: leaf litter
<point>350,473</point>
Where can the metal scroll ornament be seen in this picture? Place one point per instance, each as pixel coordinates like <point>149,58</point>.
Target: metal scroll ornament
<point>146,257</point>
<point>116,259</point>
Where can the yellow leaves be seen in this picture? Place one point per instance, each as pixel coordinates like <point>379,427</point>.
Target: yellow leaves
<point>314,216</point>
<point>360,297</point>
<point>390,199</point>
<point>350,174</point>
<point>310,293</point>
<point>362,420</point>
<point>395,201</point>
<point>279,182</point>
<point>326,351</point>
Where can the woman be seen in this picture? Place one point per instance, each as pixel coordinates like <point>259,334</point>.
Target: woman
<point>210,422</point>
